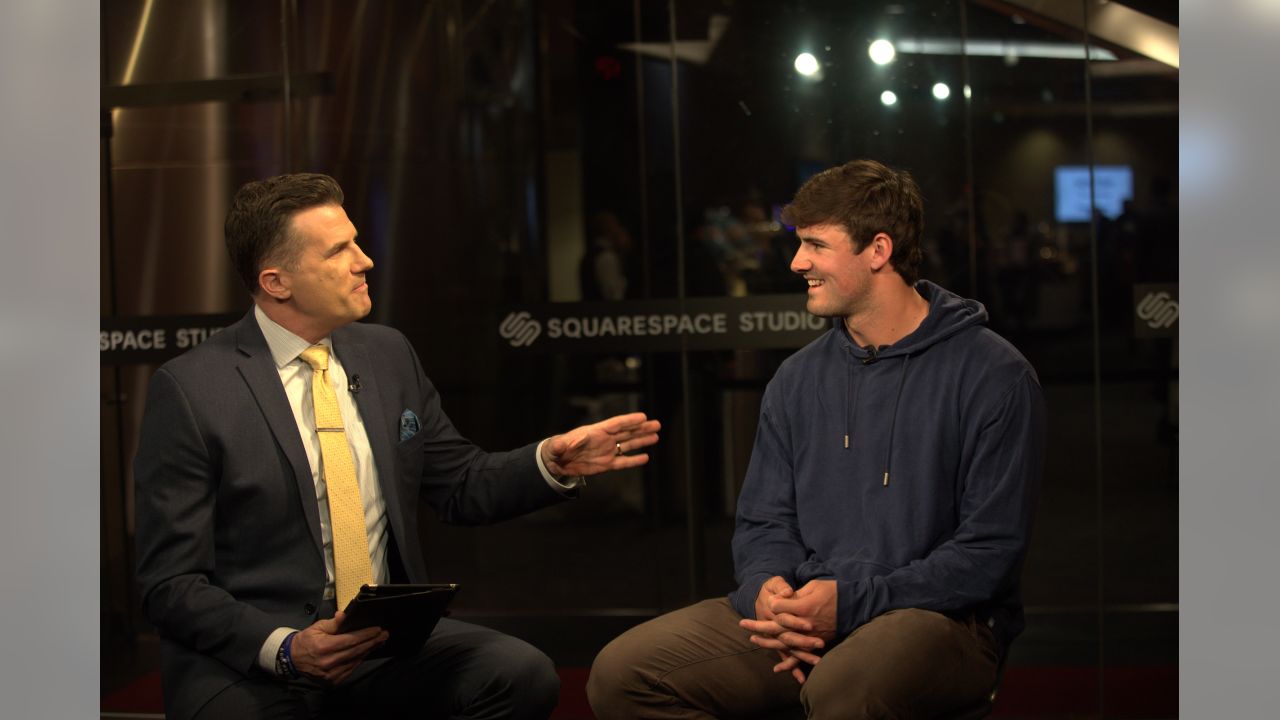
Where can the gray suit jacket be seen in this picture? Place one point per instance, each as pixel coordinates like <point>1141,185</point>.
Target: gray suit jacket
<point>228,529</point>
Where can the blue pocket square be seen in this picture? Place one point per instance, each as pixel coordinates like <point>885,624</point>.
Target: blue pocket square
<point>408,425</point>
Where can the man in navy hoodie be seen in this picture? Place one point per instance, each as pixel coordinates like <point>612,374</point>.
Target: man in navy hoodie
<point>887,507</point>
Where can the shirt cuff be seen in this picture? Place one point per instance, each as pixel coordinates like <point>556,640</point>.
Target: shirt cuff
<point>267,654</point>
<point>560,485</point>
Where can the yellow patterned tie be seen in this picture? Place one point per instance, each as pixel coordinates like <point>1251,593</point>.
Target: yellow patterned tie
<point>351,567</point>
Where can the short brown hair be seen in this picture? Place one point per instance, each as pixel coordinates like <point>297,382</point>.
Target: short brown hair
<point>257,227</point>
<point>866,197</point>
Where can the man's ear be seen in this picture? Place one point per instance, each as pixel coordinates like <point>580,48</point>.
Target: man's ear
<point>275,283</point>
<point>881,247</point>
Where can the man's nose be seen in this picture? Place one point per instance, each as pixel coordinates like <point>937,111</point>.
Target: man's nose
<point>799,263</point>
<point>364,262</point>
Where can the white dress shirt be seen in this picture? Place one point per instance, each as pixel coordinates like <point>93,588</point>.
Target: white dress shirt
<point>295,376</point>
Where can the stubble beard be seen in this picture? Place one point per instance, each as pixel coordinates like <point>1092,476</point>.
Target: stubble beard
<point>844,309</point>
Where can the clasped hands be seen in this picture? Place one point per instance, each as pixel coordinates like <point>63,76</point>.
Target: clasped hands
<point>601,447</point>
<point>795,623</point>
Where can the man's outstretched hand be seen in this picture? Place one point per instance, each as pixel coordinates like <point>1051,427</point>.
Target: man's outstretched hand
<point>323,653</point>
<point>601,447</point>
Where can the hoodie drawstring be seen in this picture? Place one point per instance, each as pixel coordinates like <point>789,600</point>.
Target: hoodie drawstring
<point>888,453</point>
<point>849,404</point>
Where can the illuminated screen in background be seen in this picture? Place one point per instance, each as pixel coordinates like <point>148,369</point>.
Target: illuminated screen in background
<point>1113,184</point>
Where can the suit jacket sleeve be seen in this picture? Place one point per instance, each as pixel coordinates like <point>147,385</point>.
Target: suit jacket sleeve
<point>175,485</point>
<point>466,485</point>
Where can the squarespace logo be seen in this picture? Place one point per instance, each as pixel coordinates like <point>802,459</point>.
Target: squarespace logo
<point>763,321</point>
<point>520,329</point>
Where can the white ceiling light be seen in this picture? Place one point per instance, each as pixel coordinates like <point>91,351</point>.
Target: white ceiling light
<point>888,97</point>
<point>806,64</point>
<point>881,52</point>
<point>1002,48</point>
<point>941,91</point>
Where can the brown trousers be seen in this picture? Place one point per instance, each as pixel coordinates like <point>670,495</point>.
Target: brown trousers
<point>696,663</point>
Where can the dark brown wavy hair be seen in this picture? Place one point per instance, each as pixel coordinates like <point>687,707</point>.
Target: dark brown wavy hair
<point>866,197</point>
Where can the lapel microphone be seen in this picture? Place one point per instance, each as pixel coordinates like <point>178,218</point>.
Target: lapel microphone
<point>354,385</point>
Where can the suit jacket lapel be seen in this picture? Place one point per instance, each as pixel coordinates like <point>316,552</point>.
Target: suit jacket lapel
<point>259,371</point>
<point>355,361</point>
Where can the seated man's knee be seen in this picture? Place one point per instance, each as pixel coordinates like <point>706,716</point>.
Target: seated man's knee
<point>614,675</point>
<point>908,663</point>
<point>511,679</point>
<point>845,696</point>
<point>533,678</point>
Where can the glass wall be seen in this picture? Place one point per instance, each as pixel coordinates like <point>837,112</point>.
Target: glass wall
<point>510,154</point>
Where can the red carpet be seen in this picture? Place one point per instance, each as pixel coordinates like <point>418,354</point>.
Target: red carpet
<point>1061,691</point>
<point>140,696</point>
<point>1043,691</point>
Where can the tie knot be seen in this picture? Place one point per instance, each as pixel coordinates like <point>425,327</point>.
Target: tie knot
<point>317,356</point>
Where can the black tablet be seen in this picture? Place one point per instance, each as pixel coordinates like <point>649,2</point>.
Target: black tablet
<point>407,612</point>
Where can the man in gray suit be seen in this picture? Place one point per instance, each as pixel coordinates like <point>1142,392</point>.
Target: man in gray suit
<point>240,490</point>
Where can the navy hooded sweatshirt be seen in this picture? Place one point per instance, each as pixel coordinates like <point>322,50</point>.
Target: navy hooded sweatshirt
<point>908,475</point>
